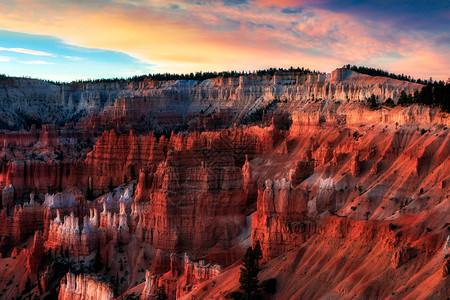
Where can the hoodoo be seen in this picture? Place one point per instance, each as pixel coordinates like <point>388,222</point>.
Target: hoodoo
<point>158,188</point>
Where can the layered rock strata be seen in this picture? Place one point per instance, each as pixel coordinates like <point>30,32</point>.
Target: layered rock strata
<point>78,287</point>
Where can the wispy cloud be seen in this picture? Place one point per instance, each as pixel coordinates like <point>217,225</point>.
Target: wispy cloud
<point>27,51</point>
<point>37,62</point>
<point>74,58</point>
<point>4,59</point>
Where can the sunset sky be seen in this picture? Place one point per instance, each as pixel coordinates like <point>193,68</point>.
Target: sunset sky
<point>67,39</point>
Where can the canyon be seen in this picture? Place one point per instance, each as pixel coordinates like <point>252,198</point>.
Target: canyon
<point>118,189</point>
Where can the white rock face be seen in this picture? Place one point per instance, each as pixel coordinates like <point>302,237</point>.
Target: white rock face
<point>59,200</point>
<point>84,287</point>
<point>8,189</point>
<point>447,244</point>
<point>126,196</point>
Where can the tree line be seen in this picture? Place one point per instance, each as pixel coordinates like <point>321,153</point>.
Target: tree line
<point>432,94</point>
<point>379,72</point>
<point>200,76</point>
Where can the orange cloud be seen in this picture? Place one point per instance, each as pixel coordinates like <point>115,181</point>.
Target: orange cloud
<point>192,37</point>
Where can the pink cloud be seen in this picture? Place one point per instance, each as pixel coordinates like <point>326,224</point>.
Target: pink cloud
<point>213,36</point>
<point>285,3</point>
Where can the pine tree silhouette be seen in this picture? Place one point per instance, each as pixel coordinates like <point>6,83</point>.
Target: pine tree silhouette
<point>249,273</point>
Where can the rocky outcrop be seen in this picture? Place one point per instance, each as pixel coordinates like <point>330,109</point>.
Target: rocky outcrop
<point>114,224</point>
<point>150,287</point>
<point>80,239</point>
<point>183,277</point>
<point>280,212</point>
<point>446,268</point>
<point>403,255</point>
<point>82,286</point>
<point>34,255</point>
<point>47,278</point>
<point>116,159</point>
<point>301,171</point>
<point>205,181</point>
<point>314,114</point>
<point>211,204</point>
<point>40,176</point>
<point>59,200</point>
<point>8,197</point>
<point>22,223</point>
<point>65,235</point>
<point>189,274</point>
<point>250,184</point>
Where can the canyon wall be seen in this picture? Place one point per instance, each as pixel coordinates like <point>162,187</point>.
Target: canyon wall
<point>163,105</point>
<point>336,192</point>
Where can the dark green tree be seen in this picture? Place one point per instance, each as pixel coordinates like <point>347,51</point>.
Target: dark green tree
<point>161,293</point>
<point>27,286</point>
<point>403,99</point>
<point>98,260</point>
<point>110,185</point>
<point>389,102</point>
<point>258,252</point>
<point>249,273</point>
<point>372,101</point>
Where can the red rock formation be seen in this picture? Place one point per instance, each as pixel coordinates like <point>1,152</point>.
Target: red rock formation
<point>49,135</point>
<point>35,254</point>
<point>36,176</point>
<point>47,278</point>
<point>81,238</point>
<point>66,234</point>
<point>211,205</point>
<point>301,171</point>
<point>446,268</point>
<point>22,139</point>
<point>250,185</point>
<point>26,219</point>
<point>184,275</point>
<point>280,212</point>
<point>83,287</point>
<point>8,197</point>
<point>402,255</point>
<point>116,159</point>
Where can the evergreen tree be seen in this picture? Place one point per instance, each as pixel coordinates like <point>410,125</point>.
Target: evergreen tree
<point>161,294</point>
<point>372,101</point>
<point>426,94</point>
<point>258,252</point>
<point>249,273</point>
<point>27,286</point>
<point>110,185</point>
<point>98,260</point>
<point>403,99</point>
<point>107,261</point>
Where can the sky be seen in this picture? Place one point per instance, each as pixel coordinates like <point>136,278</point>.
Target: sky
<point>67,40</point>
